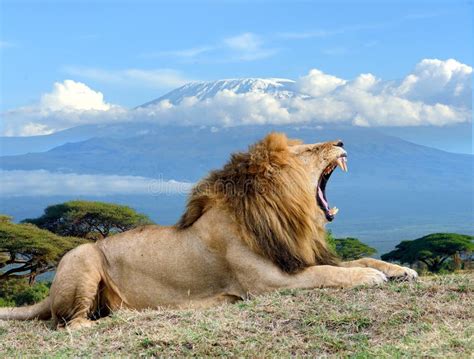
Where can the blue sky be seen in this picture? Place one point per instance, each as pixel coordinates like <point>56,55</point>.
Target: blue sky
<point>45,42</point>
<point>378,64</point>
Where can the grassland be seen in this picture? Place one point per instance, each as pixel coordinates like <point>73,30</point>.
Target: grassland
<point>433,317</point>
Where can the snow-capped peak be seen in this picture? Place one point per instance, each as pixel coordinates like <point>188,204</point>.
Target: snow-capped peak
<point>277,87</point>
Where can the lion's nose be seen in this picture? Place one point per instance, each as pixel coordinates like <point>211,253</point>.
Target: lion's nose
<point>339,143</point>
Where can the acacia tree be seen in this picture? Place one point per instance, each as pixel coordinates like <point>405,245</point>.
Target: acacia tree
<point>352,248</point>
<point>349,248</point>
<point>27,251</point>
<point>433,249</point>
<point>88,219</point>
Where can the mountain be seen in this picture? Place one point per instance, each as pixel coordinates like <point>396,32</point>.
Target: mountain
<point>456,138</point>
<point>279,88</point>
<point>395,189</point>
<point>174,153</point>
<point>10,146</point>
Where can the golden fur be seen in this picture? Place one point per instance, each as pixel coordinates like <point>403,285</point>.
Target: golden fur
<point>268,191</point>
<point>252,227</point>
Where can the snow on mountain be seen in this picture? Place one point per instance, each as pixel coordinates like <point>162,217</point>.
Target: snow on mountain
<point>279,88</point>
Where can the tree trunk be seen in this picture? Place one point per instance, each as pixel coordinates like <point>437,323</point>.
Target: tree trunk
<point>434,267</point>
<point>32,278</point>
<point>457,261</point>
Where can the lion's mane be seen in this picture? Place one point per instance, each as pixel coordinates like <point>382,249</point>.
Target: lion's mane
<point>269,194</point>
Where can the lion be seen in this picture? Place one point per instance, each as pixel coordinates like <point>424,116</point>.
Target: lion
<point>252,227</point>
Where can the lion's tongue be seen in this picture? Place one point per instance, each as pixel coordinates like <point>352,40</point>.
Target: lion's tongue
<point>333,211</point>
<point>321,197</point>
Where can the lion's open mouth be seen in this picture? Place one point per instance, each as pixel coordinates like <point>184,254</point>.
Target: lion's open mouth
<point>323,203</point>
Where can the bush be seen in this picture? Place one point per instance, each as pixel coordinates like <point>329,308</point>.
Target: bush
<point>6,303</point>
<point>348,248</point>
<point>17,292</point>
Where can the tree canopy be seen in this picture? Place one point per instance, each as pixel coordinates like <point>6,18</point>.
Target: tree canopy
<point>433,249</point>
<point>352,248</point>
<point>349,248</point>
<point>26,250</point>
<point>89,219</point>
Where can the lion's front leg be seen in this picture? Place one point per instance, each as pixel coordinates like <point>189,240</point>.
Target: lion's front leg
<point>392,271</point>
<point>255,274</point>
<point>331,276</point>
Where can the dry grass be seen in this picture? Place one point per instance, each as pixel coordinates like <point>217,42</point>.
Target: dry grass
<point>431,318</point>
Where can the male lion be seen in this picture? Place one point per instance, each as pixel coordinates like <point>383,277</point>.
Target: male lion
<point>254,226</point>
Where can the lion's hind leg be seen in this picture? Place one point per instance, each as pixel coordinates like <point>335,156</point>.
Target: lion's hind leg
<point>76,287</point>
<point>392,271</point>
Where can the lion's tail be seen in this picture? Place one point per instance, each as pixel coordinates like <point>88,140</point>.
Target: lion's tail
<point>41,310</point>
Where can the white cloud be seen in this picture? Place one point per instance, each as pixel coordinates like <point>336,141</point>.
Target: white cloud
<point>436,93</point>
<point>317,83</point>
<point>69,104</point>
<point>71,96</point>
<point>44,183</point>
<point>435,81</point>
<point>155,78</point>
<point>35,129</point>
<point>226,108</point>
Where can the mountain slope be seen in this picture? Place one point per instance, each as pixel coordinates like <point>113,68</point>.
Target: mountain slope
<point>10,146</point>
<point>280,88</point>
<point>174,153</point>
<point>394,189</point>
<point>457,138</point>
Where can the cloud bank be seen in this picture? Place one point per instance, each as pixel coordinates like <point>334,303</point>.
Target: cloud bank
<point>436,93</point>
<point>45,183</point>
<point>69,104</point>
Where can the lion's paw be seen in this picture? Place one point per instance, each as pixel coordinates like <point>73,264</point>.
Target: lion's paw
<point>397,272</point>
<point>367,276</point>
<point>78,323</point>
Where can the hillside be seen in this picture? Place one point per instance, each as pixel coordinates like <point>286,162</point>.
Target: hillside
<point>394,189</point>
<point>174,153</point>
<point>278,88</point>
<point>431,318</point>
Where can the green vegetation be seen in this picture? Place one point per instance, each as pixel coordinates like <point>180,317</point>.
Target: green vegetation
<point>88,219</point>
<point>18,292</point>
<point>431,318</point>
<point>351,248</point>
<point>432,250</point>
<point>36,245</point>
<point>27,251</point>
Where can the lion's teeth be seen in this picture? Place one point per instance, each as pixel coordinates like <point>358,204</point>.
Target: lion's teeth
<point>344,162</point>
<point>341,163</point>
<point>333,211</point>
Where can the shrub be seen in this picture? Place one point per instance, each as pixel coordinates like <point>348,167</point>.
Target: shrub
<point>17,292</point>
